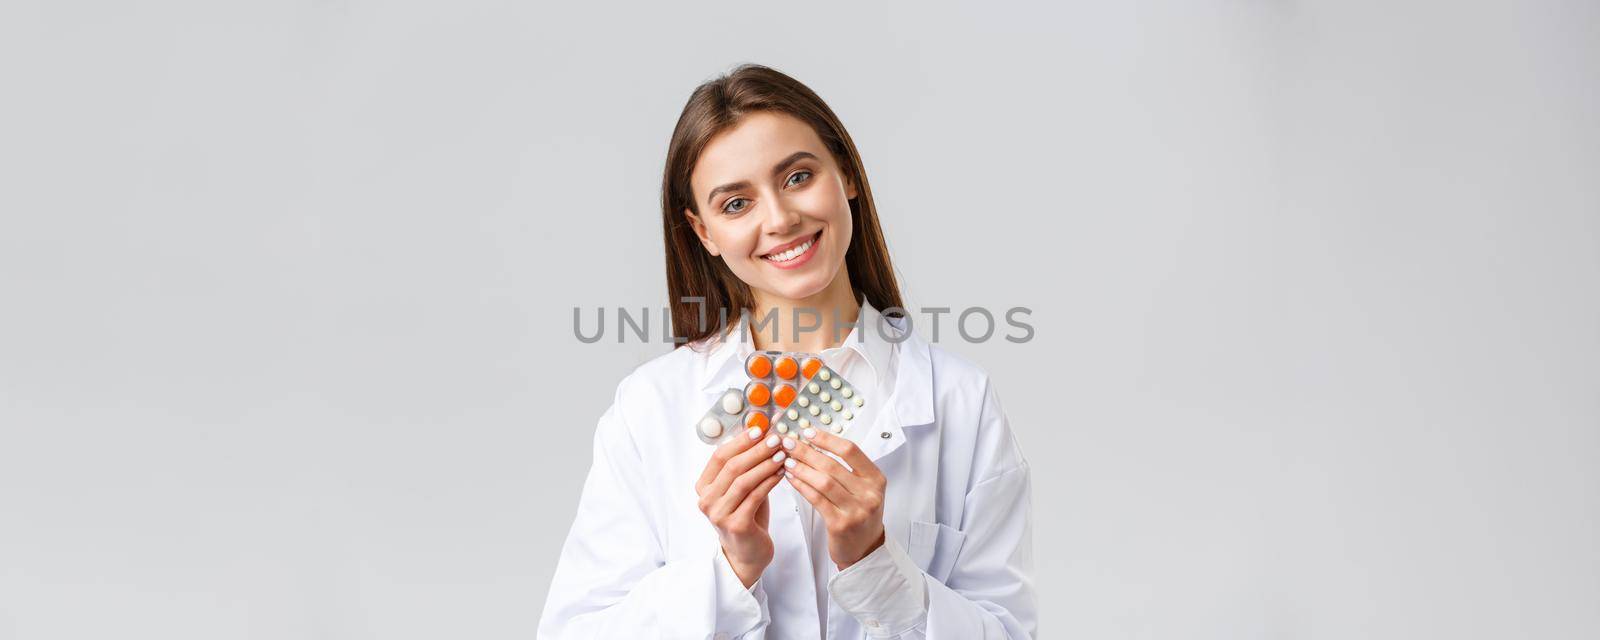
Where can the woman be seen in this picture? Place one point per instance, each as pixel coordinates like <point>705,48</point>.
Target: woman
<point>913,522</point>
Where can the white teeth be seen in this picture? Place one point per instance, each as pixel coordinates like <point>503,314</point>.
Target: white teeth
<point>792,253</point>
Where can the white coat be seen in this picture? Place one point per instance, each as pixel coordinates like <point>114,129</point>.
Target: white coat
<point>641,560</point>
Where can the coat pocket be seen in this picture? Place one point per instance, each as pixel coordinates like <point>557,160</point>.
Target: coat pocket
<point>934,547</point>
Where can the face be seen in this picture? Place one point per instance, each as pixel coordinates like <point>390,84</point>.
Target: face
<point>774,205</point>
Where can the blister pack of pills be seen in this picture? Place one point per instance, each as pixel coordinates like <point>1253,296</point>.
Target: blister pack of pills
<point>788,392</point>
<point>730,414</point>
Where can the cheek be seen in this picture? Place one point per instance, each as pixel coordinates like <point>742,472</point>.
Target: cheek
<point>732,239</point>
<point>826,204</point>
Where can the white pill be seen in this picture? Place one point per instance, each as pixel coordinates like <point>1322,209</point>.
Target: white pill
<point>849,416</point>
<point>814,409</point>
<point>835,405</point>
<point>710,428</point>
<point>827,419</point>
<point>847,392</point>
<point>858,401</point>
<point>838,428</point>
<point>803,401</point>
<point>783,427</point>
<point>813,387</point>
<point>805,424</point>
<point>834,383</point>
<point>824,396</point>
<point>794,414</point>
<point>824,375</point>
<point>732,402</point>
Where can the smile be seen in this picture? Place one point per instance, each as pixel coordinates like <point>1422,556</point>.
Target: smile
<point>795,255</point>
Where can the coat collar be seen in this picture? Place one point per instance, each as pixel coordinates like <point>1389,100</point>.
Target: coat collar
<point>888,345</point>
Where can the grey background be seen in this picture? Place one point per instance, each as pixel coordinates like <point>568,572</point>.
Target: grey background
<point>286,291</point>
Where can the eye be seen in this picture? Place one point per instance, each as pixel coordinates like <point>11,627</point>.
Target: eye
<point>726,209</point>
<point>807,174</point>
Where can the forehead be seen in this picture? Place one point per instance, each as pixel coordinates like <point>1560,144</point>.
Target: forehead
<point>749,149</point>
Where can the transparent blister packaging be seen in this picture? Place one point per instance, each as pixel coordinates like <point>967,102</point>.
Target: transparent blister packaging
<point>787,391</point>
<point>730,414</point>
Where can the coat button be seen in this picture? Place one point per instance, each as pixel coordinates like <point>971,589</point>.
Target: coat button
<point>884,435</point>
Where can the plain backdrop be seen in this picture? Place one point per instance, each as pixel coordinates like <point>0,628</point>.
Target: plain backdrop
<point>286,295</point>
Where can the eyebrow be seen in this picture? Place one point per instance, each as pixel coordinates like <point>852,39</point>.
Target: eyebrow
<point>776,170</point>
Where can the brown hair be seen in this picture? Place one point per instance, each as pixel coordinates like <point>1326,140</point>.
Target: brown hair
<point>692,272</point>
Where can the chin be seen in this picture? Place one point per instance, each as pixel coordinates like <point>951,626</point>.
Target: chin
<point>798,288</point>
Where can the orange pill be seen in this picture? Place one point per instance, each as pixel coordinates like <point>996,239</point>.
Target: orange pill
<point>758,394</point>
<point>759,366</point>
<point>787,368</point>
<point>784,396</point>
<point>811,367</point>
<point>756,419</point>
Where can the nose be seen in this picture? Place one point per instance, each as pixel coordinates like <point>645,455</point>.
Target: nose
<point>780,218</point>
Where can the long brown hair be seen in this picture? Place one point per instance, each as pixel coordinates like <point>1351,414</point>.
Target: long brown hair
<point>692,272</point>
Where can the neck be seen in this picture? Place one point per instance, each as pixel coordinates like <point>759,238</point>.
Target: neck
<point>812,324</point>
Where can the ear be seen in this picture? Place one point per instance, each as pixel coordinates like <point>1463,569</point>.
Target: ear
<point>700,230</point>
<point>849,188</point>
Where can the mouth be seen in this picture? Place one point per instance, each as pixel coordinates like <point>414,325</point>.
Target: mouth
<point>794,254</point>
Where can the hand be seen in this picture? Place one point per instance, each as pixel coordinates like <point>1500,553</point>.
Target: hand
<point>733,492</point>
<point>850,500</point>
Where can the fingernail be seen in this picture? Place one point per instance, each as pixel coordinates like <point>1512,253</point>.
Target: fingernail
<point>755,432</point>
<point>809,433</point>
<point>777,457</point>
<point>772,441</point>
<point>788,464</point>
<point>788,443</point>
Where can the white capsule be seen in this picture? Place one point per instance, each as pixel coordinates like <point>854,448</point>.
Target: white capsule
<point>836,406</point>
<point>711,428</point>
<point>813,387</point>
<point>847,392</point>
<point>824,396</point>
<point>858,401</point>
<point>824,375</point>
<point>732,402</point>
<point>834,383</point>
<point>795,414</point>
<point>803,401</point>
<point>814,409</point>
<point>826,419</point>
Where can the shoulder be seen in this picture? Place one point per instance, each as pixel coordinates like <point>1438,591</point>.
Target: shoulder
<point>956,373</point>
<point>658,386</point>
<point>971,420</point>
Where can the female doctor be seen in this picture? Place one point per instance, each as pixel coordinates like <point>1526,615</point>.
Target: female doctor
<point>912,523</point>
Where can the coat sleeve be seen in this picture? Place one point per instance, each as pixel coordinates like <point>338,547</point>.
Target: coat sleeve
<point>989,592</point>
<point>613,579</point>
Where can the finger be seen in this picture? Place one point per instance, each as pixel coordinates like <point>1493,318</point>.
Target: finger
<point>817,459</point>
<point>752,503</point>
<point>797,479</point>
<point>742,486</point>
<point>723,453</point>
<point>745,461</point>
<point>847,450</point>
